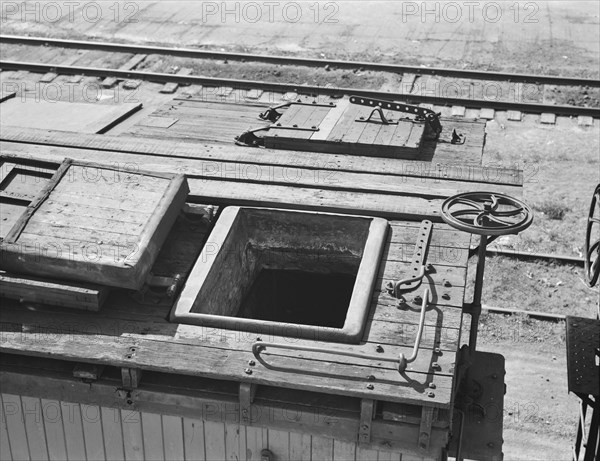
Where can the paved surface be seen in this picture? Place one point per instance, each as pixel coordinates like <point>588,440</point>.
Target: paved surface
<point>549,37</point>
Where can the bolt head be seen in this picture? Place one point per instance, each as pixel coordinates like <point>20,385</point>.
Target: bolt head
<point>370,387</point>
<point>417,300</point>
<point>435,366</point>
<point>432,386</point>
<point>431,394</point>
<point>379,348</point>
<point>248,371</point>
<point>447,284</point>
<point>251,363</point>
<point>446,296</point>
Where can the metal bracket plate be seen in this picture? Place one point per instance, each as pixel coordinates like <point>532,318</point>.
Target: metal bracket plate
<point>420,253</point>
<point>367,411</point>
<point>247,393</point>
<point>480,403</point>
<point>427,414</point>
<point>583,338</point>
<point>279,126</point>
<point>418,267</point>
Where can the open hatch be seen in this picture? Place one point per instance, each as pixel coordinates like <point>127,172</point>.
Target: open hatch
<point>283,272</point>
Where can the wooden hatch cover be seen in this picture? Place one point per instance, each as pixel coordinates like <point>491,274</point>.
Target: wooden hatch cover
<point>360,126</point>
<point>84,221</point>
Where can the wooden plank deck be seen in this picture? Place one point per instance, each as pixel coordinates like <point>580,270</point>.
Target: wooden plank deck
<point>133,331</point>
<point>106,336</point>
<point>219,122</point>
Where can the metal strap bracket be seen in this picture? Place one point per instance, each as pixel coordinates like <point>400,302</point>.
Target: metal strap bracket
<point>272,115</point>
<point>418,266</point>
<point>279,126</point>
<point>248,138</point>
<point>427,414</point>
<point>367,413</point>
<point>246,395</point>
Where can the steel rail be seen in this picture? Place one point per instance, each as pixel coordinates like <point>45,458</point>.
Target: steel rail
<point>532,314</point>
<point>522,255</point>
<point>289,60</point>
<point>162,77</point>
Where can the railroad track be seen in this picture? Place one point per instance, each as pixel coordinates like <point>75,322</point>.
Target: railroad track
<point>411,97</point>
<point>530,256</point>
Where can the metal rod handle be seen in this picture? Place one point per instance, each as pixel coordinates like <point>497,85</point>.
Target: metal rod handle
<point>260,346</point>
<point>404,361</point>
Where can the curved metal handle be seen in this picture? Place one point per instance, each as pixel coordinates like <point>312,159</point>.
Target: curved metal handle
<point>404,361</point>
<point>259,346</point>
<point>394,287</point>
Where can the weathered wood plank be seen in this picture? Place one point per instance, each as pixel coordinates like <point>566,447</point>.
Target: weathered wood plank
<point>34,425</point>
<point>153,436</point>
<point>344,450</point>
<point>256,441</point>
<point>214,440</point>
<point>171,357</point>
<point>325,178</point>
<point>133,439</point>
<point>193,431</point>
<point>5,451</point>
<point>405,321</point>
<point>17,434</point>
<point>369,133</point>
<point>279,443</point>
<point>36,290</point>
<point>112,433</point>
<point>72,423</point>
<point>172,429</point>
<point>235,441</point>
<point>455,170</point>
<point>300,447</point>
<point>322,448</point>
<point>333,423</point>
<point>92,432</point>
<point>53,427</point>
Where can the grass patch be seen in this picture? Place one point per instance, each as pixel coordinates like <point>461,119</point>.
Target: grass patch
<point>552,210</point>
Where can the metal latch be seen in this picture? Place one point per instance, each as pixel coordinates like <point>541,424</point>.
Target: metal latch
<point>272,115</point>
<point>158,287</point>
<point>430,117</point>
